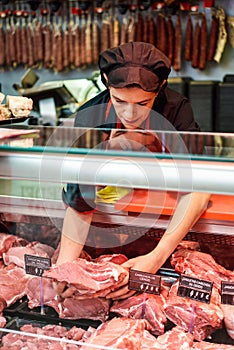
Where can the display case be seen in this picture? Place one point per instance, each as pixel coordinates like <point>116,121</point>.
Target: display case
<point>144,184</point>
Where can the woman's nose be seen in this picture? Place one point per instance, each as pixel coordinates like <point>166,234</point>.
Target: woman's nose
<point>131,110</point>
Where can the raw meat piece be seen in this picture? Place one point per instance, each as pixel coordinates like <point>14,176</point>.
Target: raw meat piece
<point>115,258</point>
<point>42,248</point>
<point>7,241</point>
<point>147,306</point>
<point>19,341</point>
<point>200,318</point>
<point>70,308</point>
<point>174,339</point>
<point>2,322</point>
<point>149,341</point>
<point>228,312</point>
<point>200,265</point>
<point>87,278</point>
<point>13,280</point>
<point>15,255</point>
<point>32,290</point>
<point>118,333</point>
<point>2,304</point>
<point>203,345</point>
<point>97,309</point>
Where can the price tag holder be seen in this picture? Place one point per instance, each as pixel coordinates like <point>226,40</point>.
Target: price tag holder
<point>195,289</point>
<point>227,293</point>
<point>144,282</point>
<point>36,265</point>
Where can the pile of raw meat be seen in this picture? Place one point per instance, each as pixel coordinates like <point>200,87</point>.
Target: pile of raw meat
<point>143,321</point>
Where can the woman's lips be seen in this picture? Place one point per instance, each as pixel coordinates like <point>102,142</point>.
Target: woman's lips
<point>131,122</point>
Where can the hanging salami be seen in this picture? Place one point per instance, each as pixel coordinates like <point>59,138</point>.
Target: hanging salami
<point>2,49</point>
<point>88,41</point>
<point>177,47</point>
<point>116,32</point>
<point>30,45</point>
<point>171,39</point>
<point>213,37</point>
<point>196,44</point>
<point>151,25</point>
<point>139,27</point>
<point>203,44</point>
<point>188,39</point>
<point>96,40</point>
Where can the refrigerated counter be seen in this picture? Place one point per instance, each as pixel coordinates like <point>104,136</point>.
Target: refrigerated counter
<point>148,185</point>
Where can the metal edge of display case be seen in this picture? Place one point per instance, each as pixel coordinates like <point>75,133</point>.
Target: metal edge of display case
<point>178,175</point>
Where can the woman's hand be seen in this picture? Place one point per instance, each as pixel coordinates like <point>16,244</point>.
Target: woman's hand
<point>143,263</point>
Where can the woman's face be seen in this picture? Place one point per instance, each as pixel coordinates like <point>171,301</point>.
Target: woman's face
<point>132,105</point>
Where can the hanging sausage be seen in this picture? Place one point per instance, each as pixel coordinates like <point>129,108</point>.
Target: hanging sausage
<point>188,39</point>
<point>178,43</point>
<point>24,42</point>
<point>105,32</point>
<point>96,39</point>
<point>30,44</point>
<point>203,44</point>
<point>88,40</point>
<point>151,25</point>
<point>196,44</point>
<point>132,23</point>
<point>2,43</point>
<point>139,26</point>
<point>116,31</point>
<point>171,38</point>
<point>47,41</point>
<point>213,37</point>
<point>18,43</point>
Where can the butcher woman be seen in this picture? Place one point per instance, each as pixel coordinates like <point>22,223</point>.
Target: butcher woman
<point>135,75</point>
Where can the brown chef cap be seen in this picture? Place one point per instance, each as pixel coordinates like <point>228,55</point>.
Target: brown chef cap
<point>134,63</point>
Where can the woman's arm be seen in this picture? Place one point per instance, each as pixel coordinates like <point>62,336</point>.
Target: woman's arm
<point>188,211</point>
<point>74,233</point>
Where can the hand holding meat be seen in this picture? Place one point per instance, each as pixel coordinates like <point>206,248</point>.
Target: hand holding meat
<point>144,263</point>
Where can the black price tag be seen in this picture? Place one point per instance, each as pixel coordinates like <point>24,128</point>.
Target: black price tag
<point>194,288</point>
<point>227,293</point>
<point>36,265</point>
<point>144,282</point>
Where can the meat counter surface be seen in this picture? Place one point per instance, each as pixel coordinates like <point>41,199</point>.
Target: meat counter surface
<point>148,315</point>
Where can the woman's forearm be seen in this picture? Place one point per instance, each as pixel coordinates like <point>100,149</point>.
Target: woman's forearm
<point>74,234</point>
<point>188,211</point>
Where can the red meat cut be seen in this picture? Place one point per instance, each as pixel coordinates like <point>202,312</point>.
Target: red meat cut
<point>203,345</point>
<point>147,306</point>
<point>199,318</point>
<point>200,265</point>
<point>174,339</point>
<point>121,333</point>
<point>88,279</point>
<point>19,341</point>
<point>13,280</point>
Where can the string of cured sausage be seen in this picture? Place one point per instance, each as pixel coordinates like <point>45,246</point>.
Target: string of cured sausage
<point>72,38</point>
